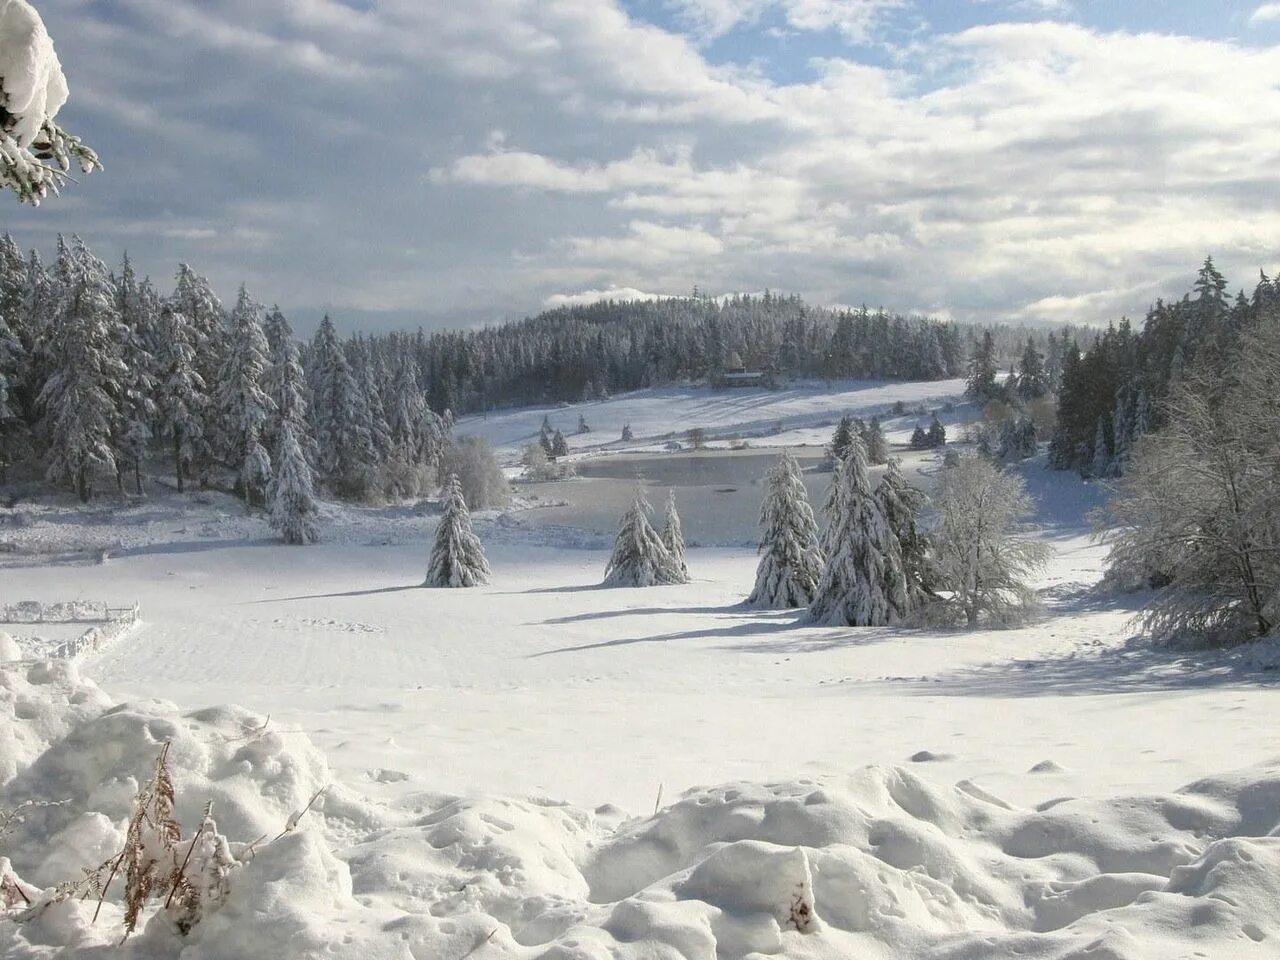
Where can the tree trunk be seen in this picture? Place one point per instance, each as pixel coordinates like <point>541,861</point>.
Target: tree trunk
<point>177,456</point>
<point>82,483</point>
<point>137,476</point>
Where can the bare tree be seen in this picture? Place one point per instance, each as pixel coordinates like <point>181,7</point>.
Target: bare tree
<point>983,555</point>
<point>1198,511</point>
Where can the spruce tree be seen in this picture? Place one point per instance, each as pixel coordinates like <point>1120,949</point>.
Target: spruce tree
<point>293,502</point>
<point>627,434</point>
<point>791,559</point>
<point>901,504</point>
<point>639,558</point>
<point>1100,466</point>
<point>673,538</point>
<point>582,424</point>
<point>181,400</point>
<point>937,435</point>
<point>81,398</point>
<point>1033,380</point>
<point>981,384</point>
<point>877,446</point>
<point>840,440</point>
<point>559,446</point>
<point>243,406</point>
<point>339,415</point>
<point>457,559</point>
<point>11,422</point>
<point>863,583</point>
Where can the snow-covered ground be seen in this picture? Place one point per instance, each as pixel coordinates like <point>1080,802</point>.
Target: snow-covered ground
<point>545,768</point>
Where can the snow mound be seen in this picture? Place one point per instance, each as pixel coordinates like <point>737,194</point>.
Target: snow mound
<point>877,863</point>
<point>39,703</point>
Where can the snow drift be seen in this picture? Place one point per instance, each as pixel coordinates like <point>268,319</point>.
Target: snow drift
<point>878,863</point>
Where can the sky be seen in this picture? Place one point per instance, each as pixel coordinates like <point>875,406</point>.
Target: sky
<point>407,162</point>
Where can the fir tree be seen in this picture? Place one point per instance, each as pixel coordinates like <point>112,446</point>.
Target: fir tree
<point>1101,463</point>
<point>627,435</point>
<point>838,449</point>
<point>457,559</point>
<point>981,383</point>
<point>791,560</point>
<point>293,502</point>
<point>877,446</point>
<point>180,392</point>
<point>901,504</point>
<point>937,435</point>
<point>1033,380</point>
<point>919,439</point>
<point>673,538</point>
<point>639,557</point>
<point>345,447</point>
<point>863,583</point>
<point>559,446</point>
<point>81,397</point>
<point>582,424</point>
<point>243,407</point>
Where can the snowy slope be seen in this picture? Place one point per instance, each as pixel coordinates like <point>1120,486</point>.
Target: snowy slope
<point>801,413</point>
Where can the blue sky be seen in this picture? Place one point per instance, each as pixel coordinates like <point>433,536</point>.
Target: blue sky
<point>403,162</point>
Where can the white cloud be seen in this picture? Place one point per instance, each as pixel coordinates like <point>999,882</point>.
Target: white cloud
<point>854,19</point>
<point>587,297</point>
<point>1266,13</point>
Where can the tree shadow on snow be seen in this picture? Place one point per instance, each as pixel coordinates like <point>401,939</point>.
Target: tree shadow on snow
<point>1134,667</point>
<point>580,588</point>
<point>345,593</point>
<point>741,609</point>
<point>737,630</point>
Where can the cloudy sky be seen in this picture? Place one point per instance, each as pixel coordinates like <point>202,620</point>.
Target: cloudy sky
<point>454,161</point>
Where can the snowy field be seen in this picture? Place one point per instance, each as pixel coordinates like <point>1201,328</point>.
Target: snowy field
<point>543,768</point>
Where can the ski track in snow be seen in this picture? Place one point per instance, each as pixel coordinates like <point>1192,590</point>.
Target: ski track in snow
<point>912,790</point>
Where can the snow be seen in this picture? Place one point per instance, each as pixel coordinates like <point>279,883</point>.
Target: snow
<point>34,86</point>
<point>545,768</point>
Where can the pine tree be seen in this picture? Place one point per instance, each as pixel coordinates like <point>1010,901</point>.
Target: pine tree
<point>339,416</point>
<point>627,435</point>
<point>838,449</point>
<point>673,538</point>
<point>81,398</point>
<point>284,383</point>
<point>11,422</point>
<point>877,446</point>
<point>559,446</point>
<point>901,504</point>
<point>981,384</point>
<point>582,424</point>
<point>1033,380</point>
<point>937,435</point>
<point>863,583</point>
<point>457,559</point>
<point>919,439</point>
<point>243,407</point>
<point>639,557</point>
<point>181,400</point>
<point>791,560</point>
<point>293,502</point>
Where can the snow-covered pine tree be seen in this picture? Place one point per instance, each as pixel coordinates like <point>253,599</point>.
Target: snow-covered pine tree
<point>673,538</point>
<point>457,559</point>
<point>937,433</point>
<point>193,297</point>
<point>338,415</point>
<point>181,399</point>
<point>285,383</point>
<point>901,504</point>
<point>559,446</point>
<point>293,502</point>
<point>863,583</point>
<point>255,474</point>
<point>243,406</point>
<point>791,560</point>
<point>11,423</point>
<point>841,439</point>
<point>919,439</point>
<point>877,446</point>
<point>627,434</point>
<point>135,335</point>
<point>639,559</point>
<point>408,404</point>
<point>582,424</point>
<point>81,397</point>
